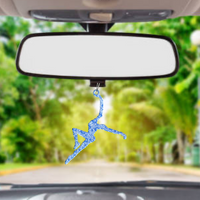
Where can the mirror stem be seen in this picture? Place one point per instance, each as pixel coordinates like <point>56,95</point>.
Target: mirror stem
<point>100,83</point>
<point>97,28</point>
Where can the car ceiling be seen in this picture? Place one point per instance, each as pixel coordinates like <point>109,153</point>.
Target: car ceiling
<point>22,7</point>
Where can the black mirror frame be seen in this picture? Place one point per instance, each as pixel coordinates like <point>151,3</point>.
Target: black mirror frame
<point>96,79</point>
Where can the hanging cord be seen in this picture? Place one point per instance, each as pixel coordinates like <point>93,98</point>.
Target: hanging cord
<point>97,87</point>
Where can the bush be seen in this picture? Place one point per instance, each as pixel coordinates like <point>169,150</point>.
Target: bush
<point>17,160</point>
<point>133,157</point>
<point>2,158</point>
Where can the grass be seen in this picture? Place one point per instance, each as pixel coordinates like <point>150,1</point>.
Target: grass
<point>11,166</point>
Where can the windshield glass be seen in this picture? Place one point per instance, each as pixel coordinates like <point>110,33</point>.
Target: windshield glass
<point>158,116</point>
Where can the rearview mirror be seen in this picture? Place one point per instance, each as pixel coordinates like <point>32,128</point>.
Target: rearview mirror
<point>103,56</point>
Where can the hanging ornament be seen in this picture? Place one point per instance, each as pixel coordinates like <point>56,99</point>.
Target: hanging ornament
<point>93,126</point>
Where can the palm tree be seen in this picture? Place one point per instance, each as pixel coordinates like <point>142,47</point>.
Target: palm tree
<point>162,107</point>
<point>138,116</point>
<point>180,111</point>
<point>169,107</point>
<point>150,109</point>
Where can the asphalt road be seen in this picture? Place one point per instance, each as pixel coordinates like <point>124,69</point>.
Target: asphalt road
<point>94,171</point>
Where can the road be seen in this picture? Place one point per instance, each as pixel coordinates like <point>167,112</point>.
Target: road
<point>94,171</point>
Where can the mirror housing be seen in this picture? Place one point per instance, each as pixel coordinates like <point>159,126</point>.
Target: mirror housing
<point>97,57</point>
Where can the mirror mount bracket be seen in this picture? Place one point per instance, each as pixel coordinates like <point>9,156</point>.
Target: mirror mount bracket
<point>94,83</point>
<point>97,28</point>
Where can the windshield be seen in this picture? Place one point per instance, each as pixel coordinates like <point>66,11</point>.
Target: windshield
<point>158,116</point>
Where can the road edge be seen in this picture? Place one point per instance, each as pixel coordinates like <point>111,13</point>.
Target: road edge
<point>180,169</point>
<point>25,169</point>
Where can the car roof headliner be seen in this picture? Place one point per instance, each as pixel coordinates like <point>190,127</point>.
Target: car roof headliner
<point>22,7</point>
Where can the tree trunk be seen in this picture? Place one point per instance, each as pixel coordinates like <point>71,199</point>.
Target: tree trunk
<point>153,150</point>
<point>125,153</point>
<point>181,145</point>
<point>161,153</point>
<point>34,99</point>
<point>175,153</point>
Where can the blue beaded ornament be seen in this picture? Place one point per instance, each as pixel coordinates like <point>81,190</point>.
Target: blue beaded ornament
<point>93,126</point>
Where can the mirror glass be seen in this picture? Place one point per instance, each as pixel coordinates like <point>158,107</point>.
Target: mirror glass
<point>109,56</point>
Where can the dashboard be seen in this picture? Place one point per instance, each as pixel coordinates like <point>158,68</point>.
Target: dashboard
<point>110,193</point>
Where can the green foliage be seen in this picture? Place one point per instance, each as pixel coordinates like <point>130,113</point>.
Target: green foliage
<point>34,111</point>
<point>162,135</point>
<point>180,110</point>
<point>2,158</point>
<point>22,138</point>
<point>37,115</point>
<point>192,77</point>
<point>133,157</point>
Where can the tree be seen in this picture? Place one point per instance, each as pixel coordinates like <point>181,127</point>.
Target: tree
<point>153,109</point>
<point>182,115</point>
<point>42,101</point>
<point>160,136</point>
<point>22,139</point>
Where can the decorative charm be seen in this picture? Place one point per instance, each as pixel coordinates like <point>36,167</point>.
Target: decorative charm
<point>93,126</point>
